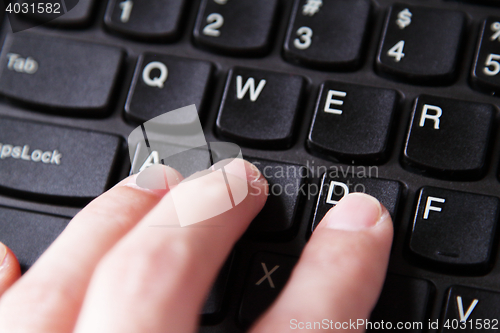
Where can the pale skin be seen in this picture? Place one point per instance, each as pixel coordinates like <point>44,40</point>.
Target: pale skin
<point>110,271</point>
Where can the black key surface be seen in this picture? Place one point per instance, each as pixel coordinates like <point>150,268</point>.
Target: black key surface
<point>29,234</point>
<point>74,13</point>
<point>403,301</point>
<point>486,68</point>
<point>153,19</point>
<point>327,34</point>
<point>165,83</point>
<point>286,191</point>
<point>267,276</point>
<point>242,27</point>
<point>260,108</point>
<point>59,73</point>
<point>186,160</point>
<point>471,310</point>
<point>53,162</point>
<point>449,138</point>
<point>454,228</point>
<point>421,44</point>
<point>352,122</point>
<point>214,305</point>
<point>334,186</point>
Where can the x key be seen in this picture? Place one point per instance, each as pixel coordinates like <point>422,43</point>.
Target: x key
<point>258,295</point>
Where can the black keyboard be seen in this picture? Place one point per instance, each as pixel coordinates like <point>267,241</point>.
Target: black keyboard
<point>397,99</point>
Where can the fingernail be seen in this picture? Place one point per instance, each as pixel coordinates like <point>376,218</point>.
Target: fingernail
<point>157,179</point>
<point>241,169</point>
<point>3,253</point>
<point>355,211</point>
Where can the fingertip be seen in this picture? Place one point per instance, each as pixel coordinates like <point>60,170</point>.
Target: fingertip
<point>355,212</point>
<point>10,270</point>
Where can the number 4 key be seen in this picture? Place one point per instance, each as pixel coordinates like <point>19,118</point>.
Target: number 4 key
<point>421,44</point>
<point>485,74</point>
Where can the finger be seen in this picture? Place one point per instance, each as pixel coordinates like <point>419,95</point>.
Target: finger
<point>157,277</point>
<point>10,271</point>
<point>341,271</point>
<point>49,296</point>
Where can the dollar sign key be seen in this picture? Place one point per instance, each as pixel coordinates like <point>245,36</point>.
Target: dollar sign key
<point>404,18</point>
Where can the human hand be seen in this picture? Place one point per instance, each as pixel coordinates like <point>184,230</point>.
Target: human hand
<point>112,271</point>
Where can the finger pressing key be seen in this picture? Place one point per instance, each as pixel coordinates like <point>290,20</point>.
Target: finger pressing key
<point>158,276</point>
<point>341,271</point>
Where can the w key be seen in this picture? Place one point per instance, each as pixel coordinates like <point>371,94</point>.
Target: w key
<point>58,73</point>
<point>449,138</point>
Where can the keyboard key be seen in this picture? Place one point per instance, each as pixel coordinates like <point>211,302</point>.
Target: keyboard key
<point>267,276</point>
<point>454,228</point>
<point>403,300</point>
<point>75,13</point>
<point>260,108</point>
<point>164,83</point>
<point>449,138</point>
<point>421,44</point>
<point>29,234</point>
<point>186,160</point>
<point>352,122</point>
<point>486,67</point>
<point>327,34</point>
<point>59,73</point>
<point>334,187</point>
<point>213,307</point>
<point>240,27</point>
<point>153,19</point>
<point>45,161</point>
<point>471,310</point>
<point>286,189</point>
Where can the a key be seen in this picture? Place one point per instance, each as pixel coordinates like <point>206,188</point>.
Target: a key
<point>449,138</point>
<point>242,27</point>
<point>486,67</point>
<point>152,20</point>
<point>29,234</point>
<point>267,276</point>
<point>454,228</point>
<point>74,13</point>
<point>286,189</point>
<point>403,301</point>
<point>334,186</point>
<point>260,108</point>
<point>327,34</point>
<point>164,83</point>
<point>53,162</point>
<point>352,122</point>
<point>471,310</point>
<point>75,76</point>
<point>421,44</point>
<point>186,160</point>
